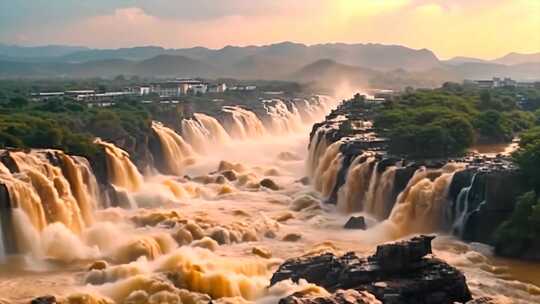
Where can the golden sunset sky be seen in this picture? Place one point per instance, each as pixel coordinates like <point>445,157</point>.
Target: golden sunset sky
<point>477,28</point>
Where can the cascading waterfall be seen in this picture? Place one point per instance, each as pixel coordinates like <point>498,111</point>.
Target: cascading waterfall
<point>465,205</point>
<point>122,172</point>
<point>325,175</point>
<point>245,124</point>
<point>383,194</point>
<point>204,132</point>
<point>177,153</point>
<point>420,208</point>
<point>317,148</point>
<point>46,187</point>
<point>351,196</point>
<point>283,120</point>
<point>54,189</point>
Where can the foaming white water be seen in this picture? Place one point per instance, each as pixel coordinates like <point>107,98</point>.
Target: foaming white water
<point>177,153</point>
<point>245,124</point>
<point>351,196</point>
<point>204,133</point>
<point>282,119</point>
<point>122,172</point>
<point>155,252</point>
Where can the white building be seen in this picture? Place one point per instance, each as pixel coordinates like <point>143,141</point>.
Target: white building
<point>178,87</point>
<point>197,89</point>
<point>218,88</point>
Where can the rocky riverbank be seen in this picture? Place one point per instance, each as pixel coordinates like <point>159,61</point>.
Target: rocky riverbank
<point>405,272</point>
<point>480,196</point>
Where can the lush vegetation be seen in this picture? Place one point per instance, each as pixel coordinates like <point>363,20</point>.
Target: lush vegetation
<point>447,121</point>
<point>518,236</point>
<point>521,233</point>
<point>65,124</point>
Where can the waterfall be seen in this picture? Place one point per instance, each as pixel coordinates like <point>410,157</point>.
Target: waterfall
<point>121,171</point>
<point>380,191</point>
<point>245,124</point>
<point>317,148</point>
<point>45,187</point>
<point>420,207</point>
<point>383,195</point>
<point>282,119</point>
<point>53,188</point>
<point>351,195</point>
<point>204,132</point>
<point>466,203</point>
<point>177,153</point>
<point>325,175</point>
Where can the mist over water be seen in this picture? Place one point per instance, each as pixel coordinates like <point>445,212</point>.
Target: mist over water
<point>232,207</point>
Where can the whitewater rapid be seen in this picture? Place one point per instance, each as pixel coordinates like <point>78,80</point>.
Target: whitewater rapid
<point>218,227</point>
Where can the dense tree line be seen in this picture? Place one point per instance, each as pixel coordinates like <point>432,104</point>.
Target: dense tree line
<point>446,121</point>
<point>520,235</point>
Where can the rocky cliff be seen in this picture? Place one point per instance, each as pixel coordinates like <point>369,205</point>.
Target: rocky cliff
<point>398,273</point>
<point>480,197</point>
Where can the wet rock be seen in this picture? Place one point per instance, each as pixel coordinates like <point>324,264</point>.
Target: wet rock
<point>356,222</point>
<point>292,237</point>
<point>304,180</point>
<point>98,265</point>
<point>270,234</point>
<point>44,300</point>
<point>182,237</point>
<point>339,297</point>
<point>303,202</point>
<point>270,184</point>
<point>221,180</point>
<point>262,252</point>
<point>284,217</point>
<point>240,213</point>
<point>230,175</point>
<point>400,255</point>
<point>220,235</point>
<point>402,272</point>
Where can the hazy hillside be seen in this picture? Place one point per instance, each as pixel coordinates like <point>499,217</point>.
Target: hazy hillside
<point>329,71</point>
<point>170,65</point>
<point>359,63</point>
<point>516,58</point>
<point>13,51</point>
<point>529,71</point>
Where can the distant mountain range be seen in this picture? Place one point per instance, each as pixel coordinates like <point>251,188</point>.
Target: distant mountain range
<point>358,63</point>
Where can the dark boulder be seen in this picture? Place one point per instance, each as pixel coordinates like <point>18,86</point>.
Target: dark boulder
<point>356,222</point>
<point>409,277</point>
<point>44,300</point>
<point>270,184</point>
<point>401,255</point>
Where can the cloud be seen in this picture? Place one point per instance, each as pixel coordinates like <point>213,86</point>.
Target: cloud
<point>484,28</point>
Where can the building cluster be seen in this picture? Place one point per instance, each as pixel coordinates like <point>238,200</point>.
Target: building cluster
<point>87,96</point>
<point>164,90</point>
<point>498,82</point>
<point>178,87</point>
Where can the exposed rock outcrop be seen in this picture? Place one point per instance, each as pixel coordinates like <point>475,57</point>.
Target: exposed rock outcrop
<point>356,222</point>
<point>402,272</point>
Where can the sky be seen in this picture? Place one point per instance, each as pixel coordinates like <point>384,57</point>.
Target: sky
<point>477,28</point>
